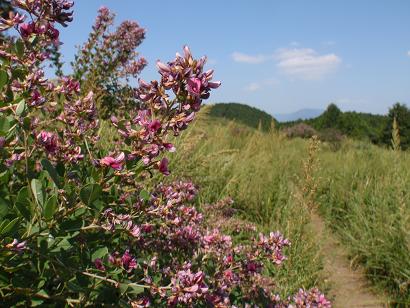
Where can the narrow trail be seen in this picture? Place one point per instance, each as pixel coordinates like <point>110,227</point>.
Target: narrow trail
<point>349,288</point>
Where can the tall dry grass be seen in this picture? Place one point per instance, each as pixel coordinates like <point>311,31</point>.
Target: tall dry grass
<point>363,193</point>
<point>365,197</point>
<point>261,172</point>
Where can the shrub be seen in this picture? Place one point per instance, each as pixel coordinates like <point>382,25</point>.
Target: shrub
<point>80,224</point>
<point>333,137</point>
<point>107,59</point>
<point>300,130</point>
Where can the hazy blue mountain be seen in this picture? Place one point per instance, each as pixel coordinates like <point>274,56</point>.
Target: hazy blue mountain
<point>307,113</point>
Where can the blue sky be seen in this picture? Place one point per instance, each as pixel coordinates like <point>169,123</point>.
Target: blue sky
<point>280,56</point>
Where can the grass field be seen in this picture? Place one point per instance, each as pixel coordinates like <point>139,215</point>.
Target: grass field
<point>362,194</point>
<point>361,191</point>
<point>365,197</point>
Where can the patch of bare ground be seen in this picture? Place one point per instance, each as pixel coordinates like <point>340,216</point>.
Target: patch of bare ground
<point>349,287</point>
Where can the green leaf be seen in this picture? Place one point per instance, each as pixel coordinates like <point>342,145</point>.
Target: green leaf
<point>8,228</point>
<point>123,288</point>
<point>99,253</point>
<point>19,46</point>
<point>4,126</point>
<point>4,208</point>
<point>135,289</point>
<point>4,177</point>
<point>37,189</point>
<point>4,78</point>
<point>90,193</point>
<point>27,123</point>
<point>18,73</point>
<point>64,244</point>
<point>74,287</point>
<point>38,301</point>
<point>144,195</point>
<point>23,203</point>
<point>72,224</point>
<point>52,172</point>
<point>82,280</point>
<point>35,302</point>
<point>21,107</point>
<point>50,208</point>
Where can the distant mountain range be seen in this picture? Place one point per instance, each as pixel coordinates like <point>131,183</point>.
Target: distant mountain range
<point>302,114</point>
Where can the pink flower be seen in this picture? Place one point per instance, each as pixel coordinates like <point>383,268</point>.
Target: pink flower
<point>194,86</point>
<point>27,29</point>
<point>99,265</point>
<point>115,163</point>
<point>17,246</point>
<point>48,140</point>
<point>163,68</point>
<point>136,232</point>
<point>128,262</point>
<point>154,126</point>
<point>163,166</point>
<point>36,98</point>
<point>214,84</point>
<point>169,147</point>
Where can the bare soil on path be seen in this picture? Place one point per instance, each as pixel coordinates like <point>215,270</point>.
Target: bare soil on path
<point>349,287</point>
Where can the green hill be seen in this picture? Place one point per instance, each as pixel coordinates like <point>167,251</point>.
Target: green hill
<point>242,113</point>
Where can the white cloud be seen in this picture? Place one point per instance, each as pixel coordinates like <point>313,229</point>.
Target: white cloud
<point>408,53</point>
<point>306,63</point>
<point>255,86</point>
<point>251,59</point>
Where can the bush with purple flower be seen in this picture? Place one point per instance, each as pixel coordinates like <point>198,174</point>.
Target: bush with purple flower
<point>84,225</point>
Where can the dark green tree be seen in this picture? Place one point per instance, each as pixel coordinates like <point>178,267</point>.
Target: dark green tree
<point>330,118</point>
<point>402,114</point>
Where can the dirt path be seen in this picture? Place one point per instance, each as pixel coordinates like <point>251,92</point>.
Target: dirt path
<point>349,287</point>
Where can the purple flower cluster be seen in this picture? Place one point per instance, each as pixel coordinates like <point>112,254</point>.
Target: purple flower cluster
<point>112,52</point>
<point>147,131</point>
<point>187,287</point>
<point>48,140</point>
<point>190,85</point>
<point>273,245</point>
<point>122,221</point>
<point>126,261</point>
<point>311,298</point>
<point>47,12</point>
<point>113,162</point>
<point>167,223</point>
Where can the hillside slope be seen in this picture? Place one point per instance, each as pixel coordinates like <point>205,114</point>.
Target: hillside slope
<point>242,113</point>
